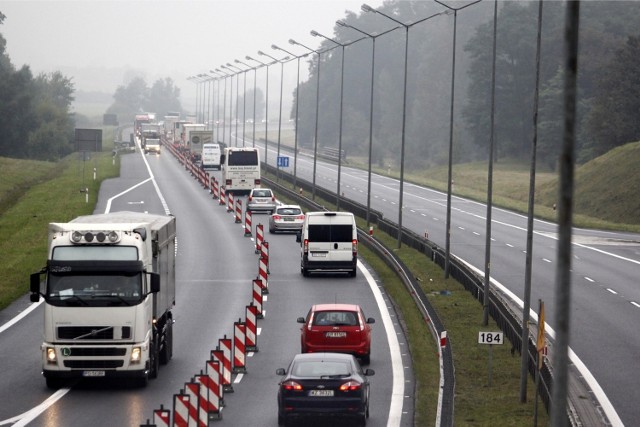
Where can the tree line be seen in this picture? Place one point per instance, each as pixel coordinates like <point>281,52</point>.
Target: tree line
<point>609,86</point>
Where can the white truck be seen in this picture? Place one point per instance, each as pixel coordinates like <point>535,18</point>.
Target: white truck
<point>197,135</point>
<point>152,145</point>
<point>211,156</point>
<point>108,292</point>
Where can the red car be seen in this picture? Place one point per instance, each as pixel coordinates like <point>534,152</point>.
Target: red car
<point>337,328</point>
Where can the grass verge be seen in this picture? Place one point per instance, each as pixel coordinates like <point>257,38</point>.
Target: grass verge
<point>23,225</point>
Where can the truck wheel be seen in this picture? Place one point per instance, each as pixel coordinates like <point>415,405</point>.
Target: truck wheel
<point>305,272</point>
<point>54,383</point>
<point>167,349</point>
<point>154,364</point>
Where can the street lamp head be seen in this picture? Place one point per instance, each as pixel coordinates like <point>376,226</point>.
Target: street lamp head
<point>261,53</point>
<point>248,58</point>
<point>314,33</point>
<point>366,8</point>
<point>292,41</point>
<point>341,23</point>
<point>273,46</point>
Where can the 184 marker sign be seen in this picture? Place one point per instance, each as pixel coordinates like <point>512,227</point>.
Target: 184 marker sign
<point>490,337</point>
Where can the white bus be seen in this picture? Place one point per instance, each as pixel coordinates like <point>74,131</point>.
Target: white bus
<point>240,169</point>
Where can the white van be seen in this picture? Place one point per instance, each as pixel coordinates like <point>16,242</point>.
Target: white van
<point>211,156</point>
<point>328,242</point>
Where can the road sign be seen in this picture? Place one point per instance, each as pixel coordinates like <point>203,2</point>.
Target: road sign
<point>283,162</point>
<point>490,337</point>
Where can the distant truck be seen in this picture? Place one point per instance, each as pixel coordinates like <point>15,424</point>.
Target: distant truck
<point>108,292</point>
<point>152,145</point>
<point>197,135</point>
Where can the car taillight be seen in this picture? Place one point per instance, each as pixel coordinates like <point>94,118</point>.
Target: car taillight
<point>291,386</point>
<point>250,198</point>
<point>350,386</point>
<point>300,217</point>
<point>228,182</point>
<point>256,182</point>
<point>277,217</point>
<point>354,247</point>
<point>305,247</point>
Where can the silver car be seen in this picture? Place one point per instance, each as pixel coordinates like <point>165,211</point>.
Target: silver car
<point>286,218</point>
<point>261,200</point>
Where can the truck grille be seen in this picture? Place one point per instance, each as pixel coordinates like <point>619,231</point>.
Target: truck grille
<point>93,332</point>
<point>96,351</point>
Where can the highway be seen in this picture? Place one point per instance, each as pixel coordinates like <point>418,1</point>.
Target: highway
<point>605,268</point>
<point>215,266</point>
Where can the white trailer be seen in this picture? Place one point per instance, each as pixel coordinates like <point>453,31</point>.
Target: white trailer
<point>108,292</point>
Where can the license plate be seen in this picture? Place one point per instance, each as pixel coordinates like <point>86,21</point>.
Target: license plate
<point>93,373</point>
<point>288,219</point>
<point>319,254</point>
<point>336,334</point>
<point>321,393</point>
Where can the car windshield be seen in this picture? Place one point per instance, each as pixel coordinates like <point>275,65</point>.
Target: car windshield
<point>316,368</point>
<point>261,193</point>
<point>289,211</point>
<point>335,318</point>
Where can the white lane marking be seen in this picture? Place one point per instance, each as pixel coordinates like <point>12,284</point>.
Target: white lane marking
<point>397,389</point>
<point>30,415</point>
<point>19,317</point>
<point>612,291</point>
<point>600,395</point>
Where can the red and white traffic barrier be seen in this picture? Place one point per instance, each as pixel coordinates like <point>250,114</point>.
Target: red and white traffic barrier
<point>259,237</point>
<point>222,197</point>
<point>181,405</point>
<point>264,253</point>
<point>247,224</point>
<point>192,390</point>
<point>215,190</point>
<point>251,322</point>
<point>263,275</point>
<point>239,350</point>
<point>203,399</point>
<point>216,390</point>
<point>443,339</point>
<point>230,202</point>
<point>225,345</point>
<point>162,417</point>
<point>238,211</point>
<point>257,297</point>
<point>225,370</point>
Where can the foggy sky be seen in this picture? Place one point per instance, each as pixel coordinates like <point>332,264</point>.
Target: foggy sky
<point>100,43</point>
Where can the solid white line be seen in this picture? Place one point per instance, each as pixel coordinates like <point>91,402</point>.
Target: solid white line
<point>32,414</point>
<point>397,389</point>
<point>19,317</point>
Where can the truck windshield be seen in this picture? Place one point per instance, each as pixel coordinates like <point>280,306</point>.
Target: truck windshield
<point>94,289</point>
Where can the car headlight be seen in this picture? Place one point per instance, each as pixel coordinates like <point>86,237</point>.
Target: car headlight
<point>136,355</point>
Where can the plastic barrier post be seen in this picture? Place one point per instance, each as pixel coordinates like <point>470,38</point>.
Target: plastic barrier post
<point>216,189</point>
<point>264,253</point>
<point>257,297</point>
<point>247,224</point>
<point>192,390</point>
<point>215,388</point>
<point>230,202</point>
<point>263,275</point>
<point>161,417</point>
<point>238,211</point>
<point>203,414</point>
<point>239,352</point>
<point>251,321</point>
<point>259,237</point>
<point>222,197</point>
<point>181,404</point>
<point>227,351</point>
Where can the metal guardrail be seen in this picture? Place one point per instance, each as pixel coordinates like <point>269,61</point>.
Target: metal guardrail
<point>581,411</point>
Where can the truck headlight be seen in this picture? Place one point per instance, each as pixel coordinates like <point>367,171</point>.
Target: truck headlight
<point>136,355</point>
<point>52,359</point>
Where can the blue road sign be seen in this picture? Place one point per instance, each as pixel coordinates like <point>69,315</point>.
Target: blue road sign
<point>283,162</point>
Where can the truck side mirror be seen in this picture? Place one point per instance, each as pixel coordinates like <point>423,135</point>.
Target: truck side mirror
<point>35,287</point>
<point>155,283</point>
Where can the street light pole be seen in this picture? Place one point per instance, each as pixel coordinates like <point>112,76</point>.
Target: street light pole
<point>373,38</point>
<point>255,74</point>
<point>281,61</point>
<point>367,8</point>
<point>240,70</point>
<point>224,106</point>
<point>266,110</point>
<point>217,122</point>
<point>244,101</point>
<point>315,142</point>
<point>447,260</point>
<point>342,45</point>
<point>295,149</point>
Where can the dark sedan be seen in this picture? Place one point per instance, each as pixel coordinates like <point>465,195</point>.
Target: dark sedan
<point>323,384</point>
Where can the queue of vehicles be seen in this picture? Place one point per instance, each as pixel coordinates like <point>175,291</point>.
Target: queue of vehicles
<point>109,290</point>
